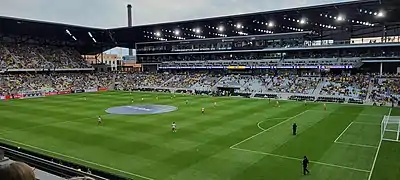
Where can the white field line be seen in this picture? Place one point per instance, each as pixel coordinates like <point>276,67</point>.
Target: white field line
<point>362,114</point>
<point>377,152</point>
<point>366,123</point>
<point>49,124</point>
<point>391,140</point>
<point>268,129</point>
<point>298,159</point>
<point>78,159</point>
<point>358,145</point>
<point>398,132</point>
<point>259,126</point>
<point>343,132</point>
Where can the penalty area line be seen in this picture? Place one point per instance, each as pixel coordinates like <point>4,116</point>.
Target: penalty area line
<point>298,159</point>
<point>377,151</point>
<point>276,125</point>
<point>78,159</point>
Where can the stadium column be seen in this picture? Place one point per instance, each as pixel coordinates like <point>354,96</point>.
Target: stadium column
<point>381,69</point>
<point>130,24</point>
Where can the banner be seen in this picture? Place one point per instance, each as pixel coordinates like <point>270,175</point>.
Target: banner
<point>64,92</point>
<point>103,89</point>
<point>51,93</point>
<point>91,90</point>
<point>79,91</point>
<point>32,95</point>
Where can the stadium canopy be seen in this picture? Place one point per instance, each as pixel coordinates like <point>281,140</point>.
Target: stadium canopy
<point>358,17</point>
<point>84,39</point>
<point>353,16</point>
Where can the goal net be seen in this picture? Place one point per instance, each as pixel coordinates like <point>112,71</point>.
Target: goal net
<point>390,128</point>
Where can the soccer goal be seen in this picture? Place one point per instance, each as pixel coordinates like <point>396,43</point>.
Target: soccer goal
<point>390,128</point>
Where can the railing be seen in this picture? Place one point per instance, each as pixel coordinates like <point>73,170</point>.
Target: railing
<point>53,165</point>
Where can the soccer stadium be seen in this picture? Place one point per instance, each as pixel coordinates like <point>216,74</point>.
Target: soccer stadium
<point>310,93</point>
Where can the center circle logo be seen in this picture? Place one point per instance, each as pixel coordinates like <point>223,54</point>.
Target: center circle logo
<point>141,109</point>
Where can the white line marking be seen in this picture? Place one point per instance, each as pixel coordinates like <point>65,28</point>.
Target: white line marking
<point>343,132</point>
<point>258,124</point>
<point>259,127</point>
<point>50,124</point>
<point>267,129</point>
<point>398,131</point>
<point>377,152</point>
<point>391,140</point>
<point>366,123</point>
<point>359,145</point>
<point>77,159</point>
<point>332,112</point>
<point>298,159</point>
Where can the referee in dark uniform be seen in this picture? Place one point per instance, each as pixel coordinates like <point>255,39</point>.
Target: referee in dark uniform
<point>294,129</point>
<point>305,165</point>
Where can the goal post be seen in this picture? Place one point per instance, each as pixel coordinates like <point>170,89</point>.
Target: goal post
<point>390,128</point>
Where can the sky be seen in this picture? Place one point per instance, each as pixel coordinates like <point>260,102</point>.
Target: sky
<point>113,13</point>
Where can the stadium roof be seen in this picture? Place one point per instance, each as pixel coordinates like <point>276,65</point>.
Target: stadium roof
<point>46,32</point>
<point>339,17</point>
<point>355,15</point>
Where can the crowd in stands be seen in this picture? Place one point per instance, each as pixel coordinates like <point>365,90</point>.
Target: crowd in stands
<point>15,83</point>
<point>183,80</point>
<point>347,85</point>
<point>376,88</point>
<point>386,88</point>
<point>31,56</point>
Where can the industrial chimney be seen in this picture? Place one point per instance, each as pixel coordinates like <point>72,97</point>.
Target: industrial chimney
<point>130,23</point>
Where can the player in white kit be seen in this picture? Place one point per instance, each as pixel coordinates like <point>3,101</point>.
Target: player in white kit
<point>99,121</point>
<point>173,127</point>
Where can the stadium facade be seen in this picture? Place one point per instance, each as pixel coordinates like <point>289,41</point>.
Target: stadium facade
<point>360,36</point>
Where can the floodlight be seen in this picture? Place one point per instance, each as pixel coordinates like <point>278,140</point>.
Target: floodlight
<point>380,14</point>
<point>270,24</point>
<point>158,34</point>
<point>221,28</point>
<point>197,30</point>
<point>177,32</point>
<point>302,21</point>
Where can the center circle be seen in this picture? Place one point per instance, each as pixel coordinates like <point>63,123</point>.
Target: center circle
<point>141,109</point>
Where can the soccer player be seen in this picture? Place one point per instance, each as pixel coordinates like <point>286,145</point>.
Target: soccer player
<point>202,110</point>
<point>132,100</point>
<point>324,107</point>
<point>305,102</point>
<point>173,127</point>
<point>142,99</point>
<point>84,98</point>
<point>305,165</point>
<point>156,97</point>
<point>99,120</point>
<point>215,104</point>
<point>277,104</point>
<point>187,102</point>
<point>294,129</point>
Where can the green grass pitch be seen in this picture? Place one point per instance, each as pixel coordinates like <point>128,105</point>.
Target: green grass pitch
<point>240,139</point>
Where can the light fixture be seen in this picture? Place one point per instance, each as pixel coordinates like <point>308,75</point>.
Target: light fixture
<point>177,32</point>
<point>221,28</point>
<point>270,24</point>
<point>380,14</point>
<point>302,21</point>
<point>197,30</point>
<point>158,34</point>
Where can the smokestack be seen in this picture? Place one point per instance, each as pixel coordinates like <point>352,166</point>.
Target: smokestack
<point>130,23</point>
